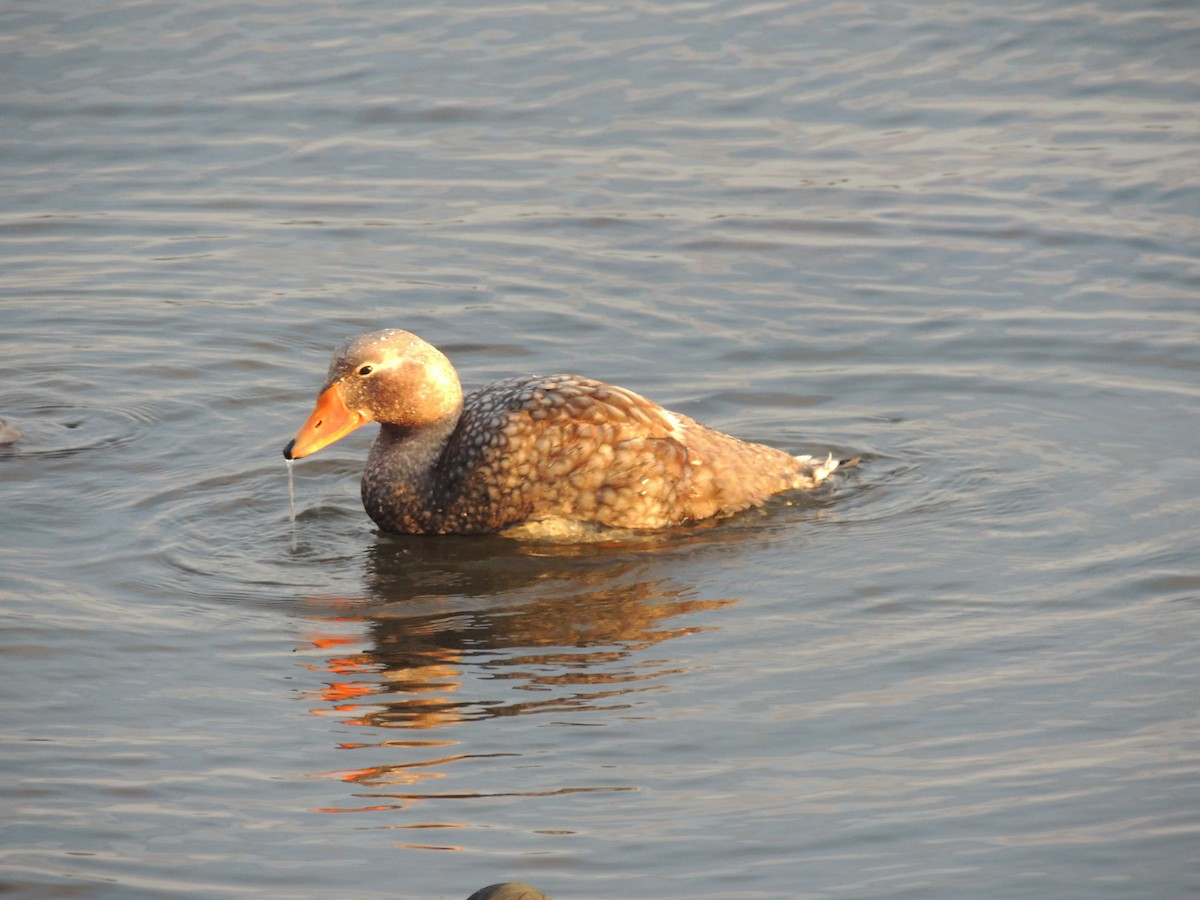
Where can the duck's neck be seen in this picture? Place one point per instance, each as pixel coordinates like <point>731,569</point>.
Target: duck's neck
<point>399,481</point>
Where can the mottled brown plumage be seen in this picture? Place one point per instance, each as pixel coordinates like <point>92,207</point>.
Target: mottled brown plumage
<point>555,448</point>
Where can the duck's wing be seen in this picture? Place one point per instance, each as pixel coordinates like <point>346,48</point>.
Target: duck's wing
<point>571,447</point>
<point>567,446</point>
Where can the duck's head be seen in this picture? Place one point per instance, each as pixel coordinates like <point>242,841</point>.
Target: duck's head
<point>387,376</point>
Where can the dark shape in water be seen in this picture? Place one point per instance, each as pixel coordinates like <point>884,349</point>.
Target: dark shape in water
<point>508,890</point>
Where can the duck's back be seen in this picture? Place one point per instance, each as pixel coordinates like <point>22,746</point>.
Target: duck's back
<point>570,448</point>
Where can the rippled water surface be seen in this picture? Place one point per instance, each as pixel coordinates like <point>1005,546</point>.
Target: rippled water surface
<point>959,239</point>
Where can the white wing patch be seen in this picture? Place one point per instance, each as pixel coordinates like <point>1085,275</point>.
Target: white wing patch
<point>678,429</point>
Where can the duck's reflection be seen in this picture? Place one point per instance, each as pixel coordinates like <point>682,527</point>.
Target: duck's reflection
<point>454,631</point>
<point>459,630</point>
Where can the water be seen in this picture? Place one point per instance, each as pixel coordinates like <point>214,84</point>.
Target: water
<point>959,239</point>
<point>291,491</point>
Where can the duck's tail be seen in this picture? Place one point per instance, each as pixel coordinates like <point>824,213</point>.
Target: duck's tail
<point>816,470</point>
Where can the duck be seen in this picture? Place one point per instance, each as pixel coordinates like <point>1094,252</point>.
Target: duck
<point>508,890</point>
<point>549,449</point>
<point>8,434</point>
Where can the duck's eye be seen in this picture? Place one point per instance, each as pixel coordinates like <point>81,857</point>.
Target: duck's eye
<point>366,370</point>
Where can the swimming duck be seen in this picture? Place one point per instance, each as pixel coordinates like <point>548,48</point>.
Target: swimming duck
<point>8,434</point>
<point>508,890</point>
<point>553,448</point>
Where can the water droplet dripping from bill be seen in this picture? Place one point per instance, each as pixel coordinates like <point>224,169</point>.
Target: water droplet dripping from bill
<point>291,493</point>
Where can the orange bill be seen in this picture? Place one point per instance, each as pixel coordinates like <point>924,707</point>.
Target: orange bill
<point>330,421</point>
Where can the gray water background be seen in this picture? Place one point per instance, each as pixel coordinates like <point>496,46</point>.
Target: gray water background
<point>961,239</point>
